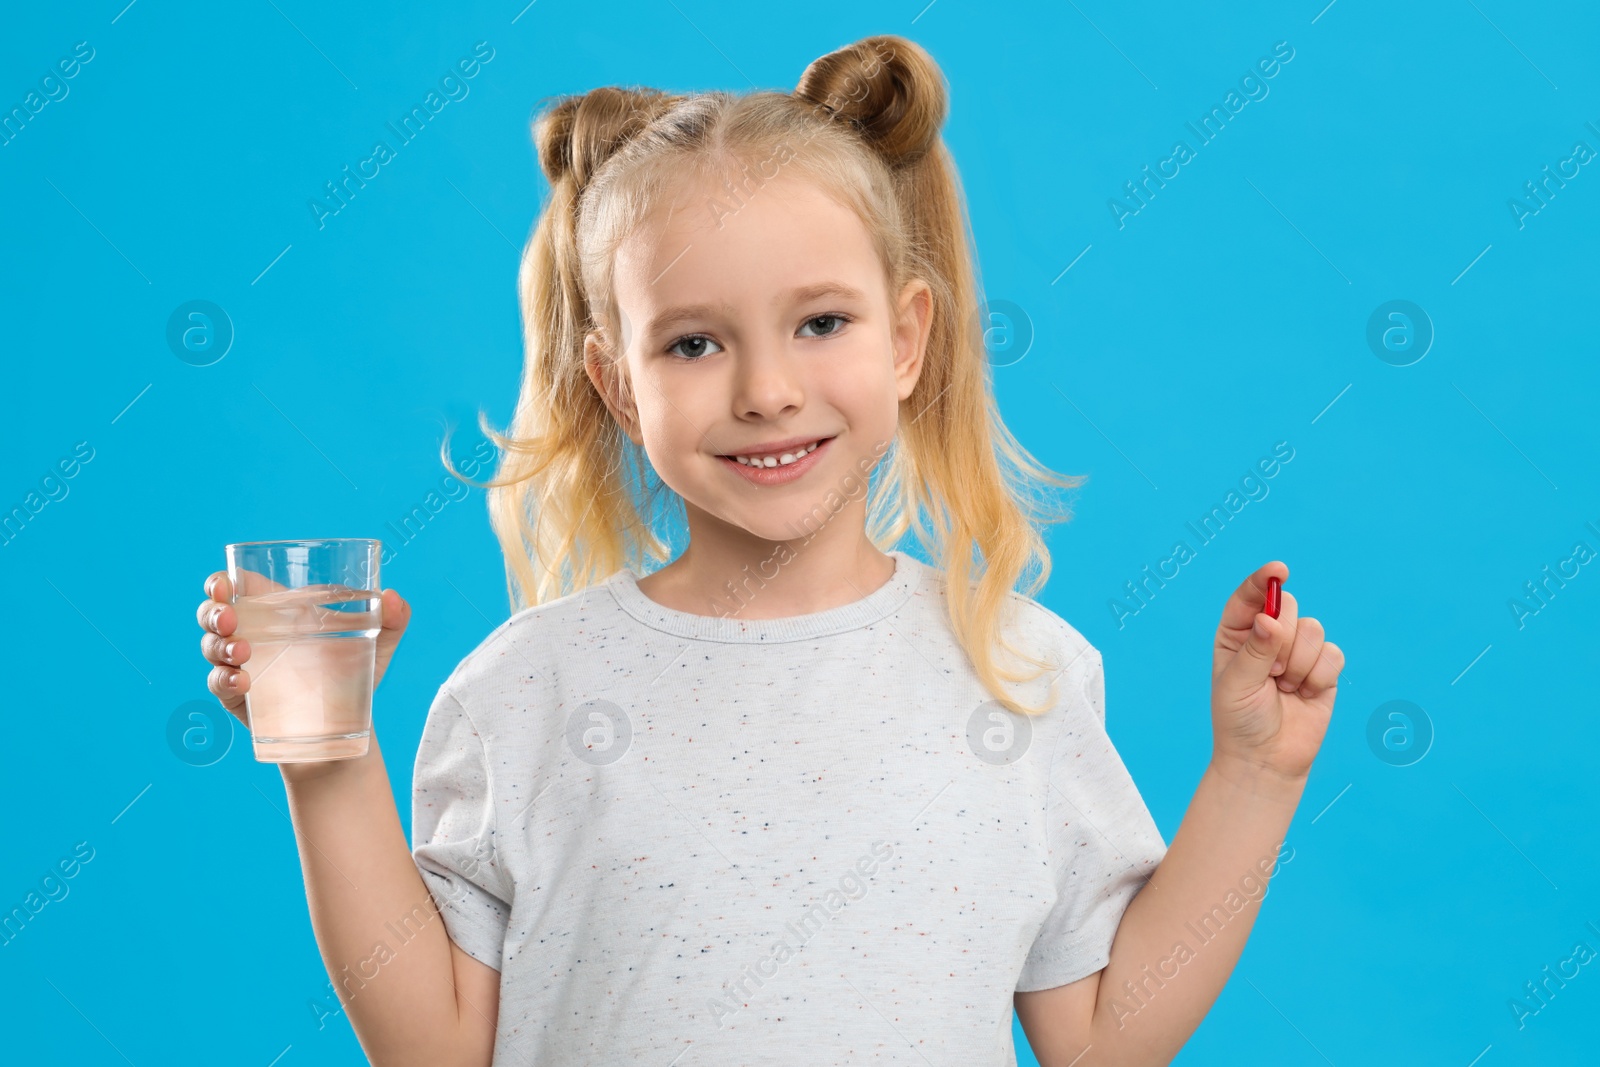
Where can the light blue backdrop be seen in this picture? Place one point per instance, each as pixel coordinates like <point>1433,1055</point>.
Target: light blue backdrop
<point>1163,355</point>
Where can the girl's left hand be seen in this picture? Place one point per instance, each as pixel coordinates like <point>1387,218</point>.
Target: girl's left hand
<point>1273,681</point>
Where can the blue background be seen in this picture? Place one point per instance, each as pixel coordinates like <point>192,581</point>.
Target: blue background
<point>1229,314</point>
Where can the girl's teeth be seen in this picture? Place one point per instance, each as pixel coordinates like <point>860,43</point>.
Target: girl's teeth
<point>777,461</point>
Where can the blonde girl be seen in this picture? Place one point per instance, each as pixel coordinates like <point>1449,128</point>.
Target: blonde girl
<point>784,793</point>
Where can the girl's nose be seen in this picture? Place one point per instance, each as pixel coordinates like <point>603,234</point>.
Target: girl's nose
<point>767,383</point>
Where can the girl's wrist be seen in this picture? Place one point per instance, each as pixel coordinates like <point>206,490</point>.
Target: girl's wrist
<point>1257,777</point>
<point>325,772</point>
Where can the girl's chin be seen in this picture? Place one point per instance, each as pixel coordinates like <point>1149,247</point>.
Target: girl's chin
<point>766,527</point>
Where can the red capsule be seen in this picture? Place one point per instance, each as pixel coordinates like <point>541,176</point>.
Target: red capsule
<point>1274,596</point>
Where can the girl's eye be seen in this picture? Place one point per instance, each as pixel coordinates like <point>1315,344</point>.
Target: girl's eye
<point>692,340</point>
<point>834,324</point>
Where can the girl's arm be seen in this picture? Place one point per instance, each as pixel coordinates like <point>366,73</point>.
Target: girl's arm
<point>1152,995</point>
<point>1273,686</point>
<point>413,997</point>
<point>411,994</point>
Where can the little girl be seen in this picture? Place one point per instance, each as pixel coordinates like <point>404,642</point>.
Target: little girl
<point>795,797</point>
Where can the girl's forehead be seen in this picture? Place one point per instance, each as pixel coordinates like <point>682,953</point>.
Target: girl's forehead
<point>717,201</point>
<point>777,239</point>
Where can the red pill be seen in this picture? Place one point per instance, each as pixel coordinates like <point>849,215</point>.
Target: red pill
<point>1274,596</point>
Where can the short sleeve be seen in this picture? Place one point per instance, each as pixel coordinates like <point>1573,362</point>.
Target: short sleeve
<point>452,832</point>
<point>1104,844</point>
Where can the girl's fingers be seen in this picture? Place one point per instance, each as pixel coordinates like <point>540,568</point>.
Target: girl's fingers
<point>1248,668</point>
<point>226,651</point>
<point>1288,619</point>
<point>217,617</point>
<point>218,587</point>
<point>213,611</point>
<point>228,681</point>
<point>1239,614</point>
<point>1307,645</point>
<point>229,686</point>
<point>1324,673</point>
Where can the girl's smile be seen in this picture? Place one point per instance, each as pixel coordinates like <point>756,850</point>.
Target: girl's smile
<point>778,463</point>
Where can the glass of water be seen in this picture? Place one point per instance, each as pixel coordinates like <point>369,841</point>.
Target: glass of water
<point>311,611</point>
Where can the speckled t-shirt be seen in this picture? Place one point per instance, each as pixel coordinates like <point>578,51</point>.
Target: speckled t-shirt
<point>695,840</point>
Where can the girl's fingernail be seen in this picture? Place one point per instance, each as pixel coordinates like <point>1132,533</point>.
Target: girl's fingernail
<point>233,680</point>
<point>228,649</point>
<point>216,616</point>
<point>1277,666</point>
<point>1260,628</point>
<point>1274,596</point>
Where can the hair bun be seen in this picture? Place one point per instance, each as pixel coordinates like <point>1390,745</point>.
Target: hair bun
<point>888,88</point>
<point>579,133</point>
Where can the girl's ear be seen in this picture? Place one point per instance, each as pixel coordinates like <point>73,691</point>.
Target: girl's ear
<point>609,376</point>
<point>913,322</point>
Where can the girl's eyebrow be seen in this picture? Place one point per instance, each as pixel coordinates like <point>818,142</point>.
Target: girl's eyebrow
<point>670,316</point>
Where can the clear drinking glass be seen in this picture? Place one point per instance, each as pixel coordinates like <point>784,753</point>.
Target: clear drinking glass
<point>311,611</point>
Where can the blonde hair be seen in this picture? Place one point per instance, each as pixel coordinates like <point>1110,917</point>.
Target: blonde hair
<point>573,500</point>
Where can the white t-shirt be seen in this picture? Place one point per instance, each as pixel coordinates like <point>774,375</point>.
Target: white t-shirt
<point>692,840</point>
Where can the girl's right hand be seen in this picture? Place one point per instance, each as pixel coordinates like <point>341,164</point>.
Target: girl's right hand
<point>229,681</point>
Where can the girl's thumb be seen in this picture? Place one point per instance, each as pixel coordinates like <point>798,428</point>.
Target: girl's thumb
<point>1252,665</point>
<point>396,614</point>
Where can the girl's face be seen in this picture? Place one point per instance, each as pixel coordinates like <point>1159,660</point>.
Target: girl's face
<point>762,331</point>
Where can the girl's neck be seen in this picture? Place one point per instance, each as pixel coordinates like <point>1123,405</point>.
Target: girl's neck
<point>727,571</point>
